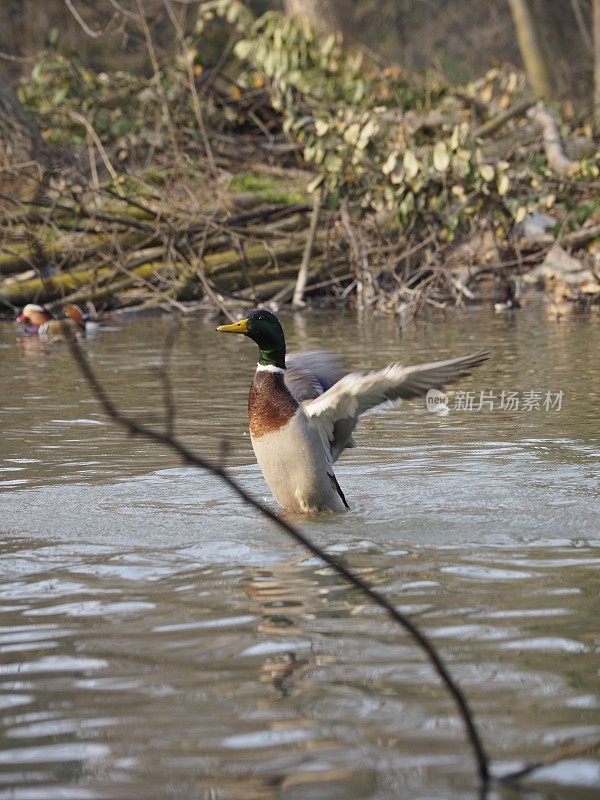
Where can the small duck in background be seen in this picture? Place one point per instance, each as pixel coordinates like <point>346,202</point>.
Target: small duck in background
<point>36,320</point>
<point>506,296</point>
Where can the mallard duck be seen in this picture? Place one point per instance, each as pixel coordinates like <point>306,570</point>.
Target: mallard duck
<point>303,409</point>
<point>35,320</point>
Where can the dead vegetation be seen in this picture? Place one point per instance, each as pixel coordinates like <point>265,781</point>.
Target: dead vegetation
<point>292,169</point>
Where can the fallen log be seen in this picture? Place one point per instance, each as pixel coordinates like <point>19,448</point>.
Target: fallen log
<point>223,269</point>
<point>45,290</point>
<point>18,257</point>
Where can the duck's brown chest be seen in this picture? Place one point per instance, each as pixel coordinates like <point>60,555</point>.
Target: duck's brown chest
<point>270,404</point>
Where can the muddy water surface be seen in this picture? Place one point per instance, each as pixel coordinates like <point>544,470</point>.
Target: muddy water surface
<point>158,640</point>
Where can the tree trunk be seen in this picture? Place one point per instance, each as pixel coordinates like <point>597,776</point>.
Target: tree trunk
<point>596,12</point>
<point>22,151</point>
<point>327,16</point>
<point>534,60</point>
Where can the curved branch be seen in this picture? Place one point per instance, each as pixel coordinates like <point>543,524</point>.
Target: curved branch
<point>85,27</point>
<point>562,754</point>
<point>135,428</point>
<point>559,162</point>
<point>492,125</point>
<point>75,115</point>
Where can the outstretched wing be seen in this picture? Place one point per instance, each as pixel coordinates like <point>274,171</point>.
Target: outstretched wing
<point>309,374</point>
<point>338,409</point>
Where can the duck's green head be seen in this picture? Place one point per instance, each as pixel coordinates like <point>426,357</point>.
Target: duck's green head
<point>264,328</point>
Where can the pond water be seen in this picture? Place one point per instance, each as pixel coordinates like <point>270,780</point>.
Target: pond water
<point>160,640</point>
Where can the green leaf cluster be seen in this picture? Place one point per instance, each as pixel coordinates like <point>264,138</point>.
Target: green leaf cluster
<point>387,140</point>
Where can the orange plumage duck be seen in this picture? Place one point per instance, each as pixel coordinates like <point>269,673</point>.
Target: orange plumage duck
<point>36,320</point>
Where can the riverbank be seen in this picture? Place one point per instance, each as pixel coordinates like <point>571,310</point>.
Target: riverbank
<point>298,171</point>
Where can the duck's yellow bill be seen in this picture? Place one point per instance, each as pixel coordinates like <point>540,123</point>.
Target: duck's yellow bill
<point>235,327</point>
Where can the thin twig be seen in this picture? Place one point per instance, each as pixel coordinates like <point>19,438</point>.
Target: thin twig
<point>157,77</point>
<point>193,90</point>
<point>493,124</point>
<point>582,25</point>
<point>124,11</point>
<point>135,428</point>
<point>195,265</point>
<point>96,139</point>
<point>241,251</point>
<point>85,27</point>
<point>136,203</point>
<point>562,754</point>
<point>298,297</point>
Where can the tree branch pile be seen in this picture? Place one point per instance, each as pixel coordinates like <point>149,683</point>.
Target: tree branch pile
<point>195,185</point>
